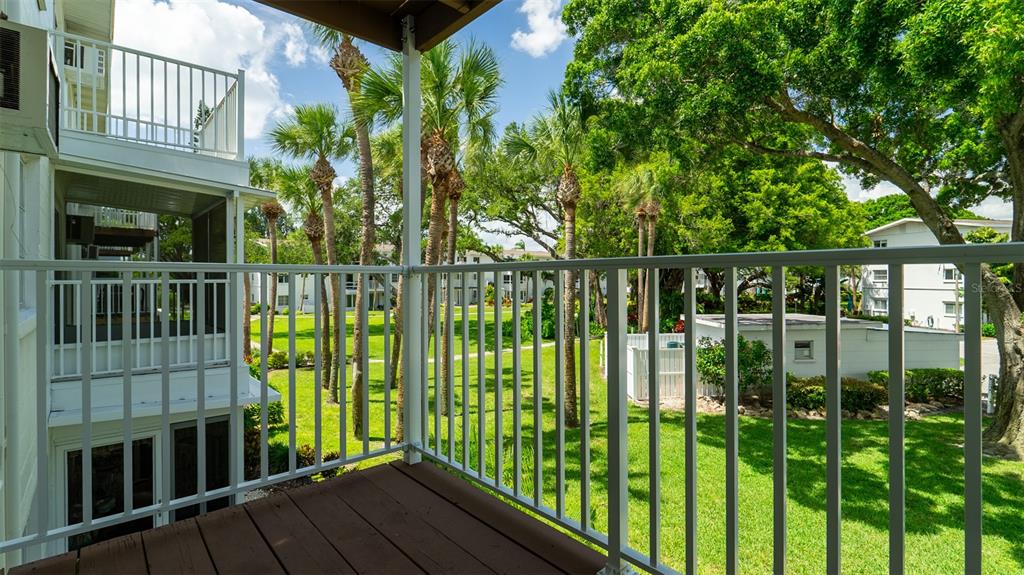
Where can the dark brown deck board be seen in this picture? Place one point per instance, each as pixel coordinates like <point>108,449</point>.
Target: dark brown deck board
<point>554,546</point>
<point>357,541</point>
<point>235,545</point>
<point>177,548</point>
<point>481,541</point>
<point>123,555</point>
<point>299,546</point>
<point>63,564</point>
<point>426,546</point>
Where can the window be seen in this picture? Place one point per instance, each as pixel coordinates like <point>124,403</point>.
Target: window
<point>185,469</point>
<point>881,243</point>
<point>101,58</point>
<point>803,350</point>
<point>476,260</point>
<point>69,55</point>
<point>282,278</point>
<point>950,274</point>
<point>950,309</point>
<point>108,491</point>
<point>880,276</point>
<point>282,300</point>
<point>881,305</point>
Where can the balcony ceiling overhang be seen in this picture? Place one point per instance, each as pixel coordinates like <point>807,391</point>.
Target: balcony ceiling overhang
<point>380,21</point>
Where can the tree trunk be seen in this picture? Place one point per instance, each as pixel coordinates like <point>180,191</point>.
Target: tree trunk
<point>325,317</point>
<point>366,251</point>
<point>571,410</point>
<point>272,312</point>
<point>247,319</point>
<point>641,286</point>
<point>446,340</point>
<point>600,314</point>
<point>651,220</point>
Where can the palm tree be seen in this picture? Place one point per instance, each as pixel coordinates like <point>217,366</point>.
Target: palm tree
<point>313,132</point>
<point>459,101</point>
<point>272,211</point>
<point>297,189</point>
<point>350,65</point>
<point>555,139</point>
<point>262,174</point>
<point>641,188</point>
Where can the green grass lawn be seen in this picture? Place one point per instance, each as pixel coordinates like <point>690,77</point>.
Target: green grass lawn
<point>934,472</point>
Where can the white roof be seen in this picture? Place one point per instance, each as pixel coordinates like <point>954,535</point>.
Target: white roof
<point>959,223</point>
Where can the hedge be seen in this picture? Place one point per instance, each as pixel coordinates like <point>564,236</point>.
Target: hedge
<point>857,394</point>
<point>927,384</point>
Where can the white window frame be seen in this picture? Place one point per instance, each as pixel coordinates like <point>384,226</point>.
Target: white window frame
<point>955,275</point>
<point>798,354</point>
<point>880,243</point>
<point>881,308</point>
<point>880,275</point>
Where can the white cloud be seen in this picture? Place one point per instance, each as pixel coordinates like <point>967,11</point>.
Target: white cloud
<point>221,36</point>
<point>547,32</point>
<point>994,208</point>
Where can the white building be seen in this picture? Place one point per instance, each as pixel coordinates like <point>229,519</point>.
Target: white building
<point>96,140</point>
<point>933,292</point>
<point>864,347</point>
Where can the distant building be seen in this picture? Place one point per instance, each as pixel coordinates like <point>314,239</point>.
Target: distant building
<point>932,292</point>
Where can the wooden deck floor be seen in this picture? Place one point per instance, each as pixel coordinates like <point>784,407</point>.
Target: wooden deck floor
<point>391,518</point>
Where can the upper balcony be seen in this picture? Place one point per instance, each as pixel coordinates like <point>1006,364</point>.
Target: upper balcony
<point>137,110</point>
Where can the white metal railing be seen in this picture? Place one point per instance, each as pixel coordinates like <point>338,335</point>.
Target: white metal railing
<point>113,325</point>
<point>474,431</point>
<point>107,217</point>
<point>478,444</point>
<point>135,96</point>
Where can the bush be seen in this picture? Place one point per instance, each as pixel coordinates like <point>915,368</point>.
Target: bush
<point>254,309</point>
<point>547,326</point>
<point>988,330</point>
<point>277,360</point>
<point>755,363</point>
<point>275,414</point>
<point>927,384</point>
<point>857,394</point>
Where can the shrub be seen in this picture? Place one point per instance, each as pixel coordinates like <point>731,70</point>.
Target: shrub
<point>927,384</point>
<point>857,394</point>
<point>988,330</point>
<point>547,326</point>
<point>277,360</point>
<point>275,414</point>
<point>755,363</point>
<point>254,309</point>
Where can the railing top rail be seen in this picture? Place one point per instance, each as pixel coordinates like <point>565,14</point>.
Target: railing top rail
<point>185,267</point>
<point>975,253</point>
<point>94,42</point>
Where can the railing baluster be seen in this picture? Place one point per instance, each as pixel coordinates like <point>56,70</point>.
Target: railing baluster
<point>85,337</point>
<point>499,431</point>
<point>449,338</point>
<point>517,387</point>
<point>654,415</point>
<point>341,300</point>
<point>364,313</point>
<point>200,320</point>
<point>972,418</point>
<point>234,360</point>
<point>128,491</point>
<point>690,417</point>
<point>559,394</point>
<point>438,385</point>
<point>897,428</point>
<point>732,391</point>
<point>584,401</point>
<point>318,366</point>
<point>538,395</point>
<point>292,310</point>
<point>618,446</point>
<point>165,388</point>
<point>266,340</point>
<point>834,416</point>
<point>42,407</point>
<point>387,359</point>
<point>481,397</point>
<point>779,448</point>
<point>424,341</point>
<point>466,425</point>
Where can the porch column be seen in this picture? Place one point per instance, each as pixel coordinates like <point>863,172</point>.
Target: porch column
<point>411,236</point>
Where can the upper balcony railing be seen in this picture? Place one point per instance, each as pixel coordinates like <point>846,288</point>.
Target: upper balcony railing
<point>107,217</point>
<point>495,409</point>
<point>134,96</point>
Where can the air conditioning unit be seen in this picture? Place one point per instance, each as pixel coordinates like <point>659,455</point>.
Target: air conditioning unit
<point>29,90</point>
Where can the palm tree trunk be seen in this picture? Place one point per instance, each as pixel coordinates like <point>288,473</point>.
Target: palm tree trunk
<point>247,319</point>
<point>641,286</point>
<point>600,314</point>
<point>571,412</point>
<point>323,174</point>
<point>453,227</point>
<point>272,312</point>
<point>645,315</point>
<point>325,317</point>
<point>366,250</point>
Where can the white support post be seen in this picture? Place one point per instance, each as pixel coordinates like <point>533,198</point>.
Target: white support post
<point>240,108</point>
<point>412,325</point>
